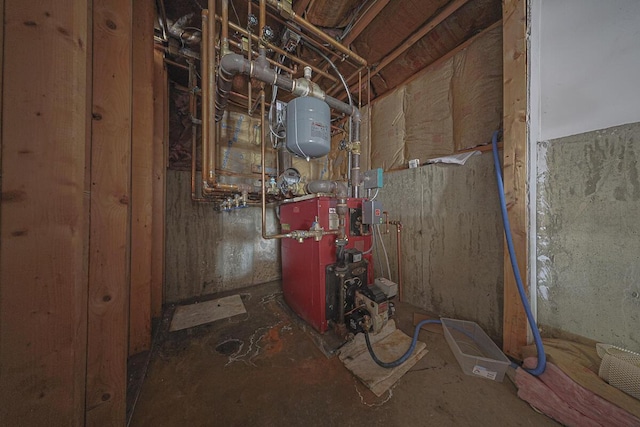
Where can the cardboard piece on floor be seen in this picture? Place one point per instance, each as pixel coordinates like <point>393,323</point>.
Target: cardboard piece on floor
<point>431,327</point>
<point>188,316</point>
<point>389,344</point>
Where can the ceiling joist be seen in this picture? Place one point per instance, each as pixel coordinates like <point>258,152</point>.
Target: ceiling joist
<point>448,10</point>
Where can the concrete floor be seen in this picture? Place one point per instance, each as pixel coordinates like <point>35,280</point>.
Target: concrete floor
<point>263,369</point>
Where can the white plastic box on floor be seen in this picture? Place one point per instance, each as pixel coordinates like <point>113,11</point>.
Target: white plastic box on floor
<point>476,353</point>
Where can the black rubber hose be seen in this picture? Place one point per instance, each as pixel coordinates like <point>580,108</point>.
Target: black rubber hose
<point>406,355</point>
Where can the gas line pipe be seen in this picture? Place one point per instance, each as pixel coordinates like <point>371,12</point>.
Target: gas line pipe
<point>398,226</point>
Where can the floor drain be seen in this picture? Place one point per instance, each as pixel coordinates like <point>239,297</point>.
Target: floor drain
<point>229,347</point>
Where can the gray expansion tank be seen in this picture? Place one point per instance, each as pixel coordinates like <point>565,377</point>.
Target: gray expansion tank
<point>308,127</point>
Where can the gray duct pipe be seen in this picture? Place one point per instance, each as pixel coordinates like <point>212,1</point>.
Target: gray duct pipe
<point>233,63</point>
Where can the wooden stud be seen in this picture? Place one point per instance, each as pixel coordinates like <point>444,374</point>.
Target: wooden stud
<point>109,251</point>
<point>141,178</point>
<point>160,121</point>
<point>43,215</point>
<point>514,18</point>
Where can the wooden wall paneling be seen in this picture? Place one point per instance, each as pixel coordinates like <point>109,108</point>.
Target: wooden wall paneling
<point>160,123</point>
<point>109,252</point>
<point>1,71</point>
<point>515,167</point>
<point>43,215</point>
<point>141,178</point>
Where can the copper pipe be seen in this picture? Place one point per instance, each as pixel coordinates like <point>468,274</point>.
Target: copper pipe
<point>193,106</point>
<point>206,94</point>
<point>292,16</point>
<point>360,90</point>
<point>224,33</point>
<point>263,152</point>
<point>276,49</point>
<point>369,104</point>
<point>176,64</point>
<point>232,93</point>
<point>398,225</point>
<point>308,39</point>
<point>263,175</point>
<point>254,106</point>
<point>245,97</point>
<point>250,57</point>
<point>262,21</point>
<point>211,78</point>
<point>231,188</point>
<point>210,186</point>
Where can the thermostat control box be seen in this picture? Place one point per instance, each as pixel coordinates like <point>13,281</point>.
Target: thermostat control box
<point>372,212</point>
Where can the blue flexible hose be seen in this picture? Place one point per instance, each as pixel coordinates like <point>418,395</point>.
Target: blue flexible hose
<point>542,358</point>
<point>405,356</point>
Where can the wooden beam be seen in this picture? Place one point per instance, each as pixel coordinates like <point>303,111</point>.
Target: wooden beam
<point>160,132</point>
<point>415,37</point>
<point>301,6</point>
<point>364,21</point>
<point>141,178</point>
<point>360,26</point>
<point>43,215</point>
<point>422,32</point>
<point>109,251</point>
<point>514,18</point>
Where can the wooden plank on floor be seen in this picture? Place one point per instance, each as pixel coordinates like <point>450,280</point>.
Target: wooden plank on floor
<point>389,344</point>
<point>43,215</point>
<point>109,252</point>
<point>514,20</point>
<point>160,122</point>
<point>141,178</point>
<point>189,316</point>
